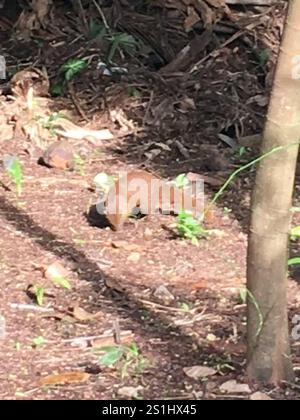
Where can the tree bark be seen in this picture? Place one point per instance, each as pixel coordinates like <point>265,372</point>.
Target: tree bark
<point>269,359</point>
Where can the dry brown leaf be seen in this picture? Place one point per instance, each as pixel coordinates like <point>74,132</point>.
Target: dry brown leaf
<point>191,19</point>
<point>127,246</point>
<point>82,315</point>
<point>64,378</point>
<point>42,9</point>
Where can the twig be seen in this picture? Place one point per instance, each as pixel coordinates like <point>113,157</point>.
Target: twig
<point>229,41</point>
<point>77,105</point>
<point>102,15</point>
<point>25,307</point>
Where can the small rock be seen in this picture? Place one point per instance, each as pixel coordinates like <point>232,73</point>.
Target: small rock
<point>163,294</point>
<point>198,372</point>
<point>59,155</point>
<point>134,257</point>
<point>232,387</point>
<point>129,391</point>
<point>56,270</point>
<point>260,396</point>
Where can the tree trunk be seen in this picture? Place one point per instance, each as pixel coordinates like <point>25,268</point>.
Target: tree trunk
<point>268,337</point>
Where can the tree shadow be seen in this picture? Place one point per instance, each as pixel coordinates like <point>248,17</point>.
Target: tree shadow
<point>177,341</point>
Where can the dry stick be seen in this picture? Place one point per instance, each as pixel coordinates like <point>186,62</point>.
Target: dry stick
<point>102,15</point>
<point>77,105</point>
<point>229,41</point>
<point>83,16</point>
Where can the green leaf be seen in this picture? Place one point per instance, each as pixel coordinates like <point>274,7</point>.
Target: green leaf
<point>181,181</point>
<point>39,293</point>
<point>73,67</point>
<point>243,295</point>
<point>294,261</point>
<point>295,233</point>
<point>185,307</point>
<point>62,281</point>
<point>96,30</point>
<point>14,169</point>
<point>57,90</point>
<point>38,341</point>
<point>112,355</point>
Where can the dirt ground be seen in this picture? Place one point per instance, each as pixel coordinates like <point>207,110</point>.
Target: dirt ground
<point>164,122</point>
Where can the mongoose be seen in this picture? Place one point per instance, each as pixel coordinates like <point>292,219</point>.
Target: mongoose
<point>142,192</point>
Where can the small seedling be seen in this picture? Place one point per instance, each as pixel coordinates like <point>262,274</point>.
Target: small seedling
<point>18,346</point>
<point>14,168</point>
<point>38,341</point>
<point>72,68</point>
<point>128,358</point>
<point>119,42</point>
<point>190,228</point>
<point>49,122</point>
<point>96,30</point>
<point>185,307</point>
<point>181,181</point>
<point>295,233</point>
<point>39,294</point>
<point>227,211</point>
<point>79,165</point>
<point>62,282</point>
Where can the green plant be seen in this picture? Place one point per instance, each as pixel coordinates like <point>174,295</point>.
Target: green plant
<point>295,233</point>
<point>62,282</point>
<point>181,181</point>
<point>185,307</point>
<point>96,30</point>
<point>72,68</point>
<point>14,168</point>
<point>68,71</point>
<point>294,261</point>
<point>39,293</point>
<point>190,228</point>
<point>79,165</point>
<point>227,211</point>
<point>49,122</point>
<point>128,358</point>
<point>38,341</point>
<point>121,41</point>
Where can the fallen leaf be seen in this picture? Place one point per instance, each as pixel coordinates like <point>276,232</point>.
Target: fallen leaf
<point>191,19</point>
<point>82,315</point>
<point>64,378</point>
<point>163,294</point>
<point>232,387</point>
<point>127,246</point>
<point>197,372</point>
